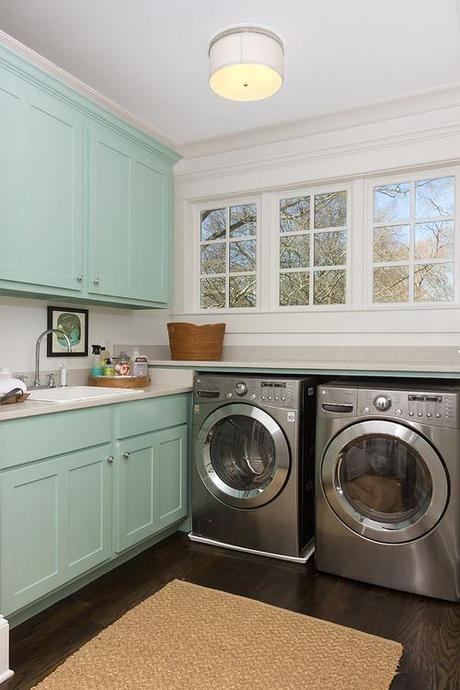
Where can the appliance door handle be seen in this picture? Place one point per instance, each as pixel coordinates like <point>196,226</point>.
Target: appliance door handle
<point>337,407</point>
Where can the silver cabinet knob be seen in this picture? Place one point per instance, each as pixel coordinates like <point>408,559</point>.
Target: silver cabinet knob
<point>126,454</point>
<point>110,459</point>
<point>80,277</point>
<point>96,281</point>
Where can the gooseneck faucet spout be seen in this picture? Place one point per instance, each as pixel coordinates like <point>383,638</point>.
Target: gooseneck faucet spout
<point>37,351</point>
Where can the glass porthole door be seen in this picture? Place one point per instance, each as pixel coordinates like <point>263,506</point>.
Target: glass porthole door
<point>385,481</point>
<point>242,456</point>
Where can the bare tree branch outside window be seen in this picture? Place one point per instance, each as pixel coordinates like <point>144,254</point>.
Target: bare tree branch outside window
<point>413,239</point>
<point>313,250</point>
<point>228,257</point>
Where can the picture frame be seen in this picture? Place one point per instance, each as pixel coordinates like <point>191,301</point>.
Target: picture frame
<point>74,322</point>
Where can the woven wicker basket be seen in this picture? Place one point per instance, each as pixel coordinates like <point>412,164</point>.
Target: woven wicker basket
<point>190,342</point>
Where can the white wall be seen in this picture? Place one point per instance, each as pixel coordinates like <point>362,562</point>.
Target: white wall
<point>401,135</point>
<point>22,320</point>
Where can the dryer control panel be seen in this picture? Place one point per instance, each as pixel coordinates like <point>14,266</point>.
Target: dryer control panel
<point>437,408</point>
<point>432,407</point>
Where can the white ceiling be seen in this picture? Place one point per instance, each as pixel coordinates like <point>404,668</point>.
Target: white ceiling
<point>151,57</point>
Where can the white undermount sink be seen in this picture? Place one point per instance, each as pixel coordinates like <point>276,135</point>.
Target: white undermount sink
<point>77,393</point>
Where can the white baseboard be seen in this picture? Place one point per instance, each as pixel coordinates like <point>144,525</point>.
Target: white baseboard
<point>5,671</point>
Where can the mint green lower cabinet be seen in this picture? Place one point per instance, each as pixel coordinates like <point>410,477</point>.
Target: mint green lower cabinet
<point>67,510</point>
<point>89,509</point>
<point>135,499</point>
<point>30,534</point>
<point>55,524</point>
<point>172,475</point>
<point>151,477</point>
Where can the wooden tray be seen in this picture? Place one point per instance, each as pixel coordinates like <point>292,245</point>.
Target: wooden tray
<point>120,381</point>
<point>17,399</point>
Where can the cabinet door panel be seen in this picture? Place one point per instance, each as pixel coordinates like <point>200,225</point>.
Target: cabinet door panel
<point>51,239</point>
<point>151,484</point>
<point>41,170</point>
<point>150,241</point>
<point>129,215</point>
<point>172,475</point>
<point>136,509</point>
<point>89,511</point>
<point>55,518</point>
<point>30,511</point>
<point>110,214</point>
<point>10,114</point>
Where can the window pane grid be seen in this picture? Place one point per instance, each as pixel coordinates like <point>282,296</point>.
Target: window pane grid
<point>309,273</point>
<point>421,276</point>
<point>422,221</point>
<point>322,268</point>
<point>228,240</point>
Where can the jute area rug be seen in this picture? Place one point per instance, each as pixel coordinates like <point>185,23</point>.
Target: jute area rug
<point>187,637</point>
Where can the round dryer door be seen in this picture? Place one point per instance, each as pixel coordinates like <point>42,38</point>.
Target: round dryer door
<point>385,481</point>
<point>242,456</point>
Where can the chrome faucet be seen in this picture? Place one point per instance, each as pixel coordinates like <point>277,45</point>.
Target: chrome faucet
<point>37,351</point>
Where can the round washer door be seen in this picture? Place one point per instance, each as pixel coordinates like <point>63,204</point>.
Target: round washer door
<point>385,481</point>
<point>242,456</point>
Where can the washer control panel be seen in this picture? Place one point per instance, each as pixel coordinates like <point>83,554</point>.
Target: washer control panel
<point>266,392</point>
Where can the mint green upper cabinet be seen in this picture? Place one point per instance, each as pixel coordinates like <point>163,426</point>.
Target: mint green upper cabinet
<point>85,198</point>
<point>110,231</point>
<point>128,220</point>
<point>151,223</point>
<point>41,175</point>
<point>10,131</point>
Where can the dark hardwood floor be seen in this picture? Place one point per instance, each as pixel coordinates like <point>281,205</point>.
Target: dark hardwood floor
<point>429,629</point>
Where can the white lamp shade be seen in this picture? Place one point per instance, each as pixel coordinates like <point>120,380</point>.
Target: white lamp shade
<point>246,64</point>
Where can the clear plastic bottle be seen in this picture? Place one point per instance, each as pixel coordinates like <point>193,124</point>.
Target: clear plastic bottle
<point>96,364</point>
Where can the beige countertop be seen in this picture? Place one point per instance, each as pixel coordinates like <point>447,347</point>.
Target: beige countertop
<point>335,366</point>
<point>33,408</point>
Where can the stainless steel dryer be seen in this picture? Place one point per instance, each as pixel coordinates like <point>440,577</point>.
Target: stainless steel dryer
<point>253,464</point>
<point>388,485</point>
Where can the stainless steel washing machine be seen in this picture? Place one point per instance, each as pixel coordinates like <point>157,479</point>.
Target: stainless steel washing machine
<point>388,485</point>
<point>253,464</point>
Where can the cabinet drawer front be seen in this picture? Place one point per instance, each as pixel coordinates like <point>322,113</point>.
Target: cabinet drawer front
<point>33,438</point>
<point>144,416</point>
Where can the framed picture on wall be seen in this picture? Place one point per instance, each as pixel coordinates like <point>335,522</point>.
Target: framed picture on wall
<point>74,323</point>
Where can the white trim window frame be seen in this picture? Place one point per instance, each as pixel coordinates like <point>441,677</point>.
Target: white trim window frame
<point>411,222</point>
<point>226,204</point>
<point>312,269</point>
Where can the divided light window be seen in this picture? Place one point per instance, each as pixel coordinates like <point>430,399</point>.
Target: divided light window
<point>313,249</point>
<point>413,241</point>
<point>228,257</point>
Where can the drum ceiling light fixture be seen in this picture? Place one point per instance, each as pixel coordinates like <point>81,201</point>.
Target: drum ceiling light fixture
<point>246,63</point>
